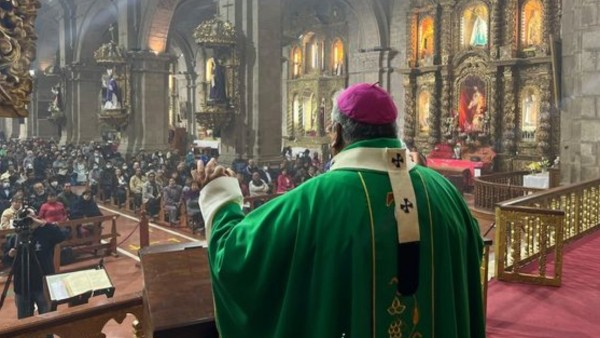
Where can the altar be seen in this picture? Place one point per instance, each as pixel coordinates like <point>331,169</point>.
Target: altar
<point>480,76</point>
<point>539,180</point>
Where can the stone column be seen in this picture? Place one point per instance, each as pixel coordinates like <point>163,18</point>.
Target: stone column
<point>82,103</point>
<point>445,35</point>
<point>366,66</point>
<point>261,85</point>
<point>496,30</point>
<point>580,115</point>
<point>148,126</point>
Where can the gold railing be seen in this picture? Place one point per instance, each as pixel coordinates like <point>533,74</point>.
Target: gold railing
<point>86,320</point>
<point>492,189</point>
<point>532,230</point>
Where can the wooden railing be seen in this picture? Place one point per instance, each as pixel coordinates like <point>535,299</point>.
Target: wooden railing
<point>93,242</point>
<point>532,230</point>
<point>86,320</point>
<point>495,188</point>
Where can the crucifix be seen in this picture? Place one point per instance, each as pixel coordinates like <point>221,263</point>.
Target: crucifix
<point>226,6</point>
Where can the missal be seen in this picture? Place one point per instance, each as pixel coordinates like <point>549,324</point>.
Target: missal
<point>68,285</point>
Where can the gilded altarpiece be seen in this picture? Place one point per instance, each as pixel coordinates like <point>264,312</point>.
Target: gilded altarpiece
<point>484,74</point>
<point>317,70</point>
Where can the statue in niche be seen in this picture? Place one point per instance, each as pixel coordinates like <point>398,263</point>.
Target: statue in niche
<point>111,93</point>
<point>472,105</point>
<point>56,104</point>
<point>530,111</point>
<point>479,34</point>
<point>217,93</point>
<point>534,29</point>
<point>423,111</point>
<point>427,37</point>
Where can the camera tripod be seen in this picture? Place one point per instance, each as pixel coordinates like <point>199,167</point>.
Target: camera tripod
<point>22,264</point>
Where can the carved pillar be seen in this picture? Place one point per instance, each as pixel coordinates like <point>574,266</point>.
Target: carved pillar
<point>445,31</point>
<point>510,24</point>
<point>434,116</point>
<point>548,25</point>
<point>544,131</point>
<point>494,111</point>
<point>411,43</point>
<point>509,136</point>
<point>446,100</point>
<point>410,117</point>
<point>496,28</point>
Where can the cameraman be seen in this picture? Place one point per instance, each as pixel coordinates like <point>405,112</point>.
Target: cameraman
<point>39,238</point>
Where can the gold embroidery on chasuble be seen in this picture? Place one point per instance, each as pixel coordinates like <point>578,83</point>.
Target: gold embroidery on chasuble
<point>396,310</point>
<point>395,329</point>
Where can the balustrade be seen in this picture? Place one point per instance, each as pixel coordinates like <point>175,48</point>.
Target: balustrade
<point>532,230</point>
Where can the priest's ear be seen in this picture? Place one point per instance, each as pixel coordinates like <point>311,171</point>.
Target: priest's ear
<point>336,141</point>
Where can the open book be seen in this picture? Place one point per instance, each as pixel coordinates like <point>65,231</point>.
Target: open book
<point>67,285</point>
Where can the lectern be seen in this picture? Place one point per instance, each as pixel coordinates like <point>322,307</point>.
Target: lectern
<point>177,292</point>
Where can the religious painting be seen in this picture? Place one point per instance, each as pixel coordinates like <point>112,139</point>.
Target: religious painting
<point>532,23</point>
<point>474,26</point>
<point>338,57</point>
<point>472,105</point>
<point>296,62</point>
<point>423,111</point>
<point>426,37</point>
<point>530,110</point>
<point>111,91</point>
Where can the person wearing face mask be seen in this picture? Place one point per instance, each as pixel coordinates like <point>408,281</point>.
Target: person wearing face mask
<point>6,193</point>
<point>54,186</point>
<point>108,181</point>
<point>94,178</point>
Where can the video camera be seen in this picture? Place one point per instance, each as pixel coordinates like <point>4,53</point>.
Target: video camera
<point>23,220</point>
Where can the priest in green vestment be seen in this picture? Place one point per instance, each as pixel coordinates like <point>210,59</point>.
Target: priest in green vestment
<point>376,247</point>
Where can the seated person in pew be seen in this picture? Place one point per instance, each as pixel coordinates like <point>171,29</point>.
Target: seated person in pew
<point>67,197</point>
<point>85,207</point>
<point>52,211</point>
<point>172,201</point>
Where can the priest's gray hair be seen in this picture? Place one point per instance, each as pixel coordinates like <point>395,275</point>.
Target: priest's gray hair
<point>353,131</point>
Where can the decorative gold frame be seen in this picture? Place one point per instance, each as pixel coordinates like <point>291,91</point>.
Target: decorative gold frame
<point>17,51</point>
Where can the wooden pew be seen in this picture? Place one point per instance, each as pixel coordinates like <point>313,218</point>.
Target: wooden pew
<point>89,243</point>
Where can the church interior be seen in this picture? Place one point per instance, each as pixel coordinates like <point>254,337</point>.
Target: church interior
<point>500,97</point>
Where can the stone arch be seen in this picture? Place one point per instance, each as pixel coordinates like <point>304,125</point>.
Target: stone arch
<point>157,20</point>
<point>93,29</point>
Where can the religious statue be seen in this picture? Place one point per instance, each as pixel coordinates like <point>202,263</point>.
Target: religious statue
<point>111,93</point>
<point>479,34</point>
<point>217,93</point>
<point>56,104</point>
<point>457,151</point>
<point>534,29</point>
<point>529,112</point>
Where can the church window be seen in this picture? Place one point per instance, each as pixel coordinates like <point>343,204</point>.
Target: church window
<point>338,57</point>
<point>296,62</point>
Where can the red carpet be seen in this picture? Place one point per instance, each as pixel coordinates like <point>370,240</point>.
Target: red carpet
<point>572,310</point>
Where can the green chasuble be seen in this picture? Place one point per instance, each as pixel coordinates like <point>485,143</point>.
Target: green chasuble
<point>321,260</point>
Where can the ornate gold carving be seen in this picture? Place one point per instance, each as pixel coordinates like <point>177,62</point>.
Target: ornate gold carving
<point>110,53</point>
<point>410,118</point>
<point>17,47</point>
<point>215,117</point>
<point>216,33</point>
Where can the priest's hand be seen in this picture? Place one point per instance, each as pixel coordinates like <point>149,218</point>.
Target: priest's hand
<point>206,174</point>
